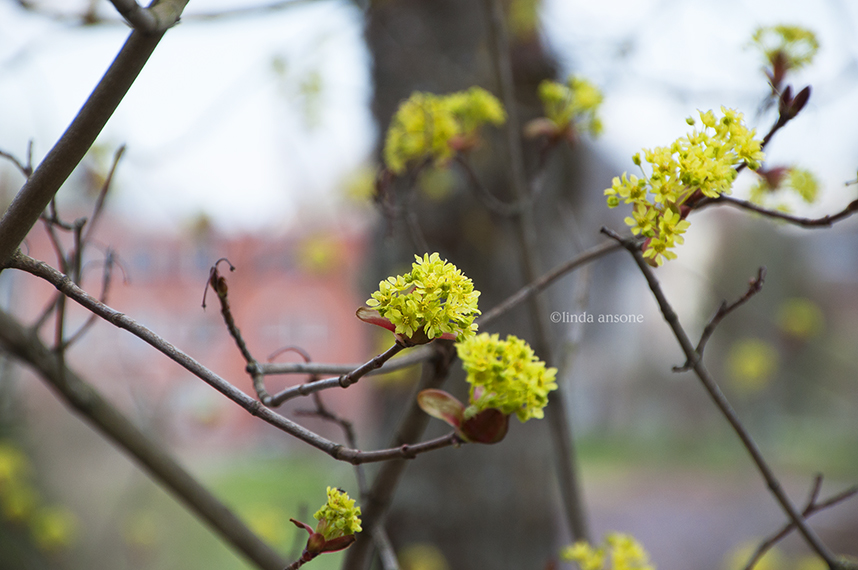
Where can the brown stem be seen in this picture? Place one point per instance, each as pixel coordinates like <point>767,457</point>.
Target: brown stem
<point>823,222</point>
<point>343,381</point>
<point>754,287</point>
<point>812,508</point>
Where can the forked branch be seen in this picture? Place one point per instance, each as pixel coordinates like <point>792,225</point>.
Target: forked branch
<point>722,404</point>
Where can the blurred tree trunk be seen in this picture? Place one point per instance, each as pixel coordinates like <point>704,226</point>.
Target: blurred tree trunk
<point>482,506</point>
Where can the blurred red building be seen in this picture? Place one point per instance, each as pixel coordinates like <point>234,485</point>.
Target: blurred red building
<point>293,290</point>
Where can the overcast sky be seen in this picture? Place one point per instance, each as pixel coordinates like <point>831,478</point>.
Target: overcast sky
<point>220,120</point>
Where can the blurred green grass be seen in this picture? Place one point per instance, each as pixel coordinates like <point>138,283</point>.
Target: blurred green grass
<point>264,491</point>
<point>267,490</point>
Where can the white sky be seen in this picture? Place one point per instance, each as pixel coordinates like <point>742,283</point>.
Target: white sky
<point>211,127</point>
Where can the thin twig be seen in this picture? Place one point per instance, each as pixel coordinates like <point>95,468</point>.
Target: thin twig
<point>414,356</point>
<point>102,194</point>
<point>754,287</point>
<point>156,19</point>
<point>322,411</point>
<point>26,169</point>
<point>386,552</point>
<point>823,222</point>
<point>251,405</point>
<point>343,381</point>
<point>721,402</point>
<point>218,284</point>
<point>812,508</point>
<point>106,278</point>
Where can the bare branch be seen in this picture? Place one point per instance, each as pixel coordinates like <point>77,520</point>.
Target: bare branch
<point>415,356</point>
<point>823,222</point>
<point>26,169</point>
<point>721,402</point>
<point>218,283</point>
<point>106,278</point>
<point>754,287</point>
<point>812,508</point>
<point>492,203</point>
<point>375,503</point>
<point>102,195</point>
<point>343,381</point>
<point>67,153</point>
<point>112,424</point>
<point>252,406</point>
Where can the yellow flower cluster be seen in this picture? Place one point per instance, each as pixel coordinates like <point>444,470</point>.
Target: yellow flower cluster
<point>703,161</point>
<point>51,527</point>
<point>505,375</point>
<point>801,181</point>
<point>575,102</point>
<point>429,126</point>
<point>435,298</point>
<point>339,516</point>
<point>625,552</point>
<point>793,46</point>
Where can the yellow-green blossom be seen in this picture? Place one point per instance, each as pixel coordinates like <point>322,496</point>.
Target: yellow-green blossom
<point>622,552</point>
<point>505,375</point>
<point>703,163</point>
<point>801,181</point>
<point>435,298</point>
<point>790,46</point>
<point>587,557</point>
<point>54,528</point>
<point>575,102</point>
<point>427,126</point>
<point>339,517</point>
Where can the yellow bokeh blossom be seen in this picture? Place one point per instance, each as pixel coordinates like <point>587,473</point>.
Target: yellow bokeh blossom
<point>433,127</point>
<point>752,363</point>
<point>790,46</point>
<point>574,103</point>
<point>617,552</point>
